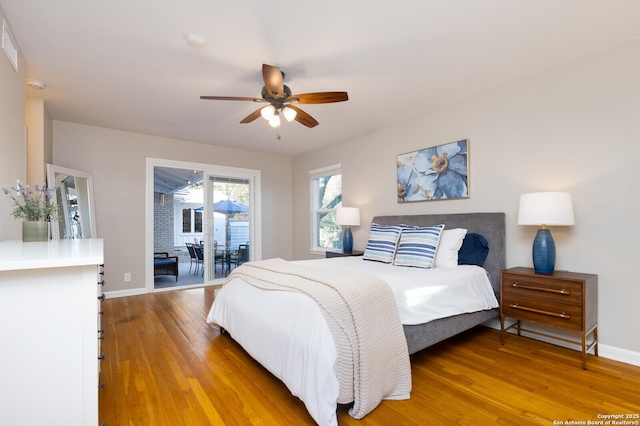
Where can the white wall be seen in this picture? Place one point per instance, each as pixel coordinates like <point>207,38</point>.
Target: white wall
<point>117,161</point>
<point>13,160</point>
<point>39,140</point>
<point>574,128</point>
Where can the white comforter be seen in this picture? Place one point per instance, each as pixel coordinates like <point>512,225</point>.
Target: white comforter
<point>287,333</point>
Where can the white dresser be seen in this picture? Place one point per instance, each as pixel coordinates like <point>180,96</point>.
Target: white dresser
<point>49,326</point>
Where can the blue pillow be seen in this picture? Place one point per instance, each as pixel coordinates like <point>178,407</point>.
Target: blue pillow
<point>418,246</point>
<point>474,250</point>
<point>382,243</point>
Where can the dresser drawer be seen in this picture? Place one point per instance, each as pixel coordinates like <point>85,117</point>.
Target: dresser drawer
<point>562,292</point>
<point>551,313</point>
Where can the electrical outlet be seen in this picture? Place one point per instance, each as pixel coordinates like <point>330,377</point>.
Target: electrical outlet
<point>127,277</point>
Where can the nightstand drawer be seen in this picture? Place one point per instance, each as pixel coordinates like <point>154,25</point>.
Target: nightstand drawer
<point>554,314</point>
<point>541,289</point>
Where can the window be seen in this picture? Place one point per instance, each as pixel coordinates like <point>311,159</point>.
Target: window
<point>191,221</point>
<point>186,220</point>
<point>326,196</point>
<point>197,221</point>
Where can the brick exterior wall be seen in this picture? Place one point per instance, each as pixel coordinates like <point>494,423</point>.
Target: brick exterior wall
<point>163,223</point>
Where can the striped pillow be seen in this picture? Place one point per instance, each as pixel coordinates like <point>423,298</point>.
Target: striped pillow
<point>418,246</point>
<point>382,243</point>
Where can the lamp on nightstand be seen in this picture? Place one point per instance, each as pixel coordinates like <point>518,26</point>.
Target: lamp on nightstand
<point>545,208</point>
<point>347,216</point>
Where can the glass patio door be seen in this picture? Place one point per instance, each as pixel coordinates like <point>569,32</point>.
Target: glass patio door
<point>230,210</point>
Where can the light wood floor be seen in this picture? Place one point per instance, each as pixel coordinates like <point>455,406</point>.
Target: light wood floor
<point>166,366</point>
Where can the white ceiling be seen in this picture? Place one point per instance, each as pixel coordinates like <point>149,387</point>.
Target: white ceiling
<point>125,64</point>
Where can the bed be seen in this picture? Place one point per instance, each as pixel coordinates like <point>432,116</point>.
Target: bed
<point>294,341</point>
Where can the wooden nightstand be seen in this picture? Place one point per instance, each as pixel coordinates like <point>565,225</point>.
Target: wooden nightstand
<point>566,300</point>
<point>343,254</point>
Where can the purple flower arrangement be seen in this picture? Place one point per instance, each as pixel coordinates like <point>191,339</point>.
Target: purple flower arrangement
<point>33,204</point>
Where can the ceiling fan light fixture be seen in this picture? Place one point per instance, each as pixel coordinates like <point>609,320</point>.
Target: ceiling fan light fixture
<point>289,114</point>
<point>267,112</point>
<point>275,120</point>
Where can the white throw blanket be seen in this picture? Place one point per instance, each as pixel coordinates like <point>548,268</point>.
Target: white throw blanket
<point>373,359</point>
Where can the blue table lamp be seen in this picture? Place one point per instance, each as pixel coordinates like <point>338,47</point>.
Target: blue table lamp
<point>347,216</point>
<point>545,209</point>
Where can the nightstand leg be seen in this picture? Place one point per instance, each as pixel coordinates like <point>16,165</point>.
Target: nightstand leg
<point>584,351</point>
<point>595,339</point>
<point>502,330</point>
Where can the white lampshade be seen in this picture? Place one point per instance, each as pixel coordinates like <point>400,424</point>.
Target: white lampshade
<point>546,208</point>
<point>289,114</point>
<point>275,120</point>
<point>267,112</point>
<point>349,216</point>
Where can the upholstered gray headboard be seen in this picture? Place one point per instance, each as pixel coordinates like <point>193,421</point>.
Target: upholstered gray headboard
<point>490,225</point>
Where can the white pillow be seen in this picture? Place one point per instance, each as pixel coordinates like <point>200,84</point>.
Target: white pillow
<point>450,242</point>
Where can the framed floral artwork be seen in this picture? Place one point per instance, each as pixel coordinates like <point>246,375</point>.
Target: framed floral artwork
<point>437,173</point>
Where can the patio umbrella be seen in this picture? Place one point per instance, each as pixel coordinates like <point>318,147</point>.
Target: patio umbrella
<point>229,207</point>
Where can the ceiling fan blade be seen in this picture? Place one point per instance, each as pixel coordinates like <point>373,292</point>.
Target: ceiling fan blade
<point>304,118</point>
<point>249,118</point>
<point>231,98</point>
<point>273,80</point>
<point>319,98</point>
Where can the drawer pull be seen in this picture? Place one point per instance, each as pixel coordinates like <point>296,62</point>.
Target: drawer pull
<point>539,311</point>
<point>102,357</point>
<point>102,297</point>
<point>548,290</point>
<point>101,282</point>
<point>102,385</point>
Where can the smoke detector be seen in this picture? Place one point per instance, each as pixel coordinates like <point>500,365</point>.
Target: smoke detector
<point>36,84</point>
<point>195,40</point>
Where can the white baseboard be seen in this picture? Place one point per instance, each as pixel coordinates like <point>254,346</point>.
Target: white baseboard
<point>617,354</point>
<point>605,351</point>
<point>125,293</point>
<point>139,291</point>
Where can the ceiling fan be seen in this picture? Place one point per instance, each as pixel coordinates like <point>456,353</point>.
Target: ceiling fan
<point>280,100</point>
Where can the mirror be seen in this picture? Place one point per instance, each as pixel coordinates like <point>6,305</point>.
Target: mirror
<point>74,196</point>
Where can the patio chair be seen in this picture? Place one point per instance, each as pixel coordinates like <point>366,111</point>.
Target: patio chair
<point>192,255</point>
<point>218,256</point>
<point>240,256</point>
<point>163,264</point>
<point>199,257</point>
